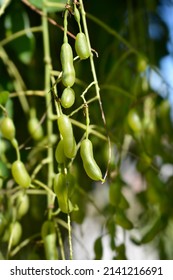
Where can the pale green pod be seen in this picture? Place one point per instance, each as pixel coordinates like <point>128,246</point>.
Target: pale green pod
<point>68,71</point>
<point>66,130</point>
<point>81,46</point>
<point>20,174</point>
<point>92,169</point>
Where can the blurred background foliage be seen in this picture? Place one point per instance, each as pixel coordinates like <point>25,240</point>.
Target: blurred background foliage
<point>131,39</point>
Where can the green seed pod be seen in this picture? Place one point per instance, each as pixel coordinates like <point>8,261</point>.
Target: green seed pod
<point>70,184</point>
<point>70,152</point>
<point>68,97</point>
<point>66,130</point>
<point>59,185</point>
<point>76,14</point>
<point>15,233</point>
<point>35,129</point>
<point>48,234</point>
<point>92,169</point>
<point>62,188</point>
<point>68,71</point>
<point>48,227</point>
<point>7,128</point>
<point>65,206</point>
<point>81,46</point>
<point>59,152</point>
<point>134,121</point>
<point>20,174</point>
<point>22,205</point>
<point>64,185</point>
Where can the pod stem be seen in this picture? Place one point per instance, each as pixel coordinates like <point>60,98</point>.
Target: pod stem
<point>87,119</point>
<point>66,23</point>
<point>86,107</point>
<point>77,17</point>
<point>16,146</point>
<point>55,93</point>
<point>70,236</point>
<point>4,110</point>
<point>48,68</point>
<point>60,242</point>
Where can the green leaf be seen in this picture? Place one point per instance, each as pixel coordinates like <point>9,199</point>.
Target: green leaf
<point>51,6</point>
<point>116,196</point>
<point>157,227</point>
<point>4,95</point>
<point>122,220</point>
<point>115,192</point>
<point>98,249</point>
<point>124,204</point>
<point>121,252</point>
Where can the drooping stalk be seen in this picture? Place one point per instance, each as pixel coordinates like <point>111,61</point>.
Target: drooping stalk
<point>97,88</point>
<point>47,86</point>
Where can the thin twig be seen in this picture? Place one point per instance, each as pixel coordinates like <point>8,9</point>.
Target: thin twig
<point>53,22</point>
<point>96,86</point>
<point>70,237</point>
